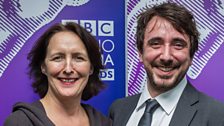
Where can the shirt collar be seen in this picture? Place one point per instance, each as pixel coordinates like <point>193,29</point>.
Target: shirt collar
<point>167,100</point>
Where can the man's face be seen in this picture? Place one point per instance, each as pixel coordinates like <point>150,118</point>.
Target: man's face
<point>166,55</point>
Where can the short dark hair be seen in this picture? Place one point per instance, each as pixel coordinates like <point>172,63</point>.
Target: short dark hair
<point>37,56</point>
<point>181,19</point>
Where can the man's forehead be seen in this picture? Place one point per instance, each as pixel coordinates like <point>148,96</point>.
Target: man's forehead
<point>161,24</point>
<point>158,22</point>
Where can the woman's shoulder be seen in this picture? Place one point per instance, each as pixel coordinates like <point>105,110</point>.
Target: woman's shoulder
<point>96,117</point>
<point>18,117</point>
<point>27,114</point>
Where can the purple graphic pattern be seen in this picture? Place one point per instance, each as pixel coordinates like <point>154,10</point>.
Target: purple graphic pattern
<point>17,25</point>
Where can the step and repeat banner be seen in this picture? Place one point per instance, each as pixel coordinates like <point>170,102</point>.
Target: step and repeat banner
<point>23,21</point>
<point>206,72</point>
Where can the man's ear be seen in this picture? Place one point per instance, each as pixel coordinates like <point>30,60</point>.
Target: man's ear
<point>191,61</point>
<point>140,56</point>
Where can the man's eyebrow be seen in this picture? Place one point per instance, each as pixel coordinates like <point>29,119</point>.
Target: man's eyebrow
<point>154,39</point>
<point>179,39</point>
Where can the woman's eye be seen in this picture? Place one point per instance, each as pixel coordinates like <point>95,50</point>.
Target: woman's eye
<point>57,58</point>
<point>79,58</point>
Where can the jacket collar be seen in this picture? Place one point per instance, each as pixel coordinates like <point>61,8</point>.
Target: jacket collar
<point>186,107</point>
<point>128,109</point>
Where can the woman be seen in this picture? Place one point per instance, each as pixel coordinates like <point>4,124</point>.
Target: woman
<point>64,64</point>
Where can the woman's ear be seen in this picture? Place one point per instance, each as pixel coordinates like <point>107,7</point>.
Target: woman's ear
<point>43,68</point>
<point>91,70</point>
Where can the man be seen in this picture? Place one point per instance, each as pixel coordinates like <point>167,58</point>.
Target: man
<point>167,39</point>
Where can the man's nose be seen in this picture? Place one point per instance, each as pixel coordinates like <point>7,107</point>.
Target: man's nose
<point>166,55</point>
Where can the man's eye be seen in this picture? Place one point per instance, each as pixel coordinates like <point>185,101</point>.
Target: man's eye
<point>154,44</point>
<point>180,45</point>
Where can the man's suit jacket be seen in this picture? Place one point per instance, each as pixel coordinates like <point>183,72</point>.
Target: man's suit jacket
<point>193,109</point>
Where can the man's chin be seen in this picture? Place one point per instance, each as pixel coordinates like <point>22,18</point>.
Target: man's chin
<point>163,85</point>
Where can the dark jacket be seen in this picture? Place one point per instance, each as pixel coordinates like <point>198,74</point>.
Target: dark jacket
<point>193,109</point>
<point>34,115</point>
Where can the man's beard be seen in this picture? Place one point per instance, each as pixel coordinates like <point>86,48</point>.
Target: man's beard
<point>165,86</point>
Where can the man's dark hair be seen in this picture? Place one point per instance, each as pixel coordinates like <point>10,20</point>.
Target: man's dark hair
<point>181,19</point>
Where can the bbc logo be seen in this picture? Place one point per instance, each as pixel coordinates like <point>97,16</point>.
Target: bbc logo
<point>96,27</point>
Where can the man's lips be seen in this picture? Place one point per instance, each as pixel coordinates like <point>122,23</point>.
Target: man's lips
<point>166,70</point>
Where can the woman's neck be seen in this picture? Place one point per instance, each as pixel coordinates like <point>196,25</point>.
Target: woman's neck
<point>65,112</point>
<point>67,106</point>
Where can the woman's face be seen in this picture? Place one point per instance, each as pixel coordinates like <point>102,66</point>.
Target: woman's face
<point>67,65</point>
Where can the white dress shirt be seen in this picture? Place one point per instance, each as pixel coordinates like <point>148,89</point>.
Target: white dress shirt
<point>163,114</point>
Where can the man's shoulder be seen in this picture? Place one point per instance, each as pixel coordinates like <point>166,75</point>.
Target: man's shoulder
<point>91,111</point>
<point>123,105</point>
<point>210,102</point>
<point>128,99</point>
<point>124,102</point>
<point>96,117</point>
<point>210,109</point>
<point>201,99</point>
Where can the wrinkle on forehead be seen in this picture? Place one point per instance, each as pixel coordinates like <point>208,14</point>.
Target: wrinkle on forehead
<point>164,27</point>
<point>157,23</point>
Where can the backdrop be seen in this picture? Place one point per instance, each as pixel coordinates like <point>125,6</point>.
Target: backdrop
<point>23,21</point>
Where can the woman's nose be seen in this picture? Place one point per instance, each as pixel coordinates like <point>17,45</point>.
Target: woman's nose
<point>68,67</point>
